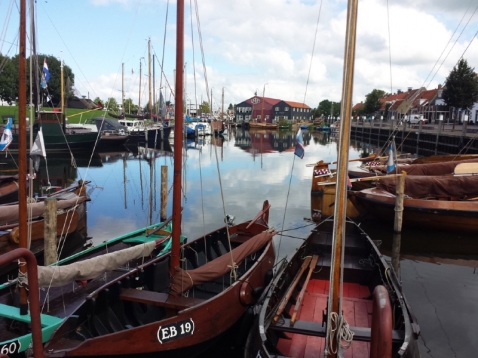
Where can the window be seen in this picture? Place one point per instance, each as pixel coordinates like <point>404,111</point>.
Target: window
<point>267,116</point>
<point>277,108</point>
<point>258,116</point>
<point>286,109</point>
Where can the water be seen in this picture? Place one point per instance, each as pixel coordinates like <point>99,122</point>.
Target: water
<point>437,270</point>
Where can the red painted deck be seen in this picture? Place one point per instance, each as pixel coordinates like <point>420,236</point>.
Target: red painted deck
<point>357,311</point>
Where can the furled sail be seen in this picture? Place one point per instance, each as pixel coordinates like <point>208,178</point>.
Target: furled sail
<point>55,276</point>
<point>183,280</point>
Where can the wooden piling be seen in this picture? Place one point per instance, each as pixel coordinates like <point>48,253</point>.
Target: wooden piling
<point>164,191</point>
<point>50,230</point>
<point>440,126</point>
<point>397,226</point>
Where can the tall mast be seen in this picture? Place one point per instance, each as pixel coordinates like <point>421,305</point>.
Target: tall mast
<point>222,109</point>
<point>150,105</point>
<point>22,148</point>
<point>122,88</point>
<point>178,136</point>
<point>336,274</point>
<point>139,94</point>
<point>155,109</point>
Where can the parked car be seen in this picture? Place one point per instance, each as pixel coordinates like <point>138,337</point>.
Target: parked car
<point>415,118</point>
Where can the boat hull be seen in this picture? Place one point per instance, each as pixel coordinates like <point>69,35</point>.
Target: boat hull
<point>436,214</point>
<point>273,333</point>
<point>185,326</point>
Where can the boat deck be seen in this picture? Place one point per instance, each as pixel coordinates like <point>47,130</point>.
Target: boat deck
<point>357,309</point>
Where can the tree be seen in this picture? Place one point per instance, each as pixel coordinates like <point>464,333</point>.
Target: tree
<point>129,106</point>
<point>204,107</point>
<point>461,86</point>
<point>8,80</point>
<point>98,100</point>
<point>230,106</point>
<point>111,105</point>
<point>372,101</point>
<point>327,107</point>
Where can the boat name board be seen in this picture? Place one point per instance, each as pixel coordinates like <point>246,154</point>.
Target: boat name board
<point>10,348</point>
<point>175,331</point>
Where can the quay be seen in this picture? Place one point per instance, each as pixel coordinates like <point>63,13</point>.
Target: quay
<point>423,139</point>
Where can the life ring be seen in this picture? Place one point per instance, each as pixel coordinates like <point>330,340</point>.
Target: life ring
<point>381,334</point>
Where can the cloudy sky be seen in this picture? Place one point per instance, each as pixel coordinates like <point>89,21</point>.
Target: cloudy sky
<point>250,45</point>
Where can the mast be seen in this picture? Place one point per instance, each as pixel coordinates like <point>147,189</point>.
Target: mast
<point>150,106</point>
<point>122,88</point>
<point>22,149</point>
<point>222,108</point>
<point>262,111</point>
<point>155,109</point>
<point>178,137</point>
<point>62,96</point>
<point>139,94</point>
<point>336,274</point>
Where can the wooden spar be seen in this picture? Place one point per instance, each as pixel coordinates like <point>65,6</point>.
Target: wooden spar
<point>22,149</point>
<point>336,274</point>
<point>370,157</point>
<point>50,230</point>
<point>285,299</point>
<point>122,89</point>
<point>150,106</point>
<point>164,191</point>
<point>313,263</point>
<point>397,226</point>
<point>363,179</point>
<point>178,137</point>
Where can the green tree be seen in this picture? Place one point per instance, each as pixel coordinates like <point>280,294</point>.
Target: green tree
<point>111,105</point>
<point>230,106</point>
<point>326,108</point>
<point>204,107</point>
<point>372,101</point>
<point>461,86</point>
<point>8,80</point>
<point>129,106</point>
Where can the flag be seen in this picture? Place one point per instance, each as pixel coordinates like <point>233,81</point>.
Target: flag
<point>45,76</point>
<point>391,162</point>
<point>299,147</point>
<point>38,150</point>
<point>7,136</point>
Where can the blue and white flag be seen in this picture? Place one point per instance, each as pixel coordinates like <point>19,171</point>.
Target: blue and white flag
<point>45,76</point>
<point>391,157</point>
<point>299,146</point>
<point>7,136</point>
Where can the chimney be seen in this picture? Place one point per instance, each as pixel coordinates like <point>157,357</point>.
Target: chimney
<point>399,91</point>
<point>410,89</point>
<point>439,86</point>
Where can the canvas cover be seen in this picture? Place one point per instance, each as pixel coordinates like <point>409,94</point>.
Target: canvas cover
<point>9,213</point>
<point>55,276</point>
<point>448,187</point>
<point>183,280</point>
<point>440,168</point>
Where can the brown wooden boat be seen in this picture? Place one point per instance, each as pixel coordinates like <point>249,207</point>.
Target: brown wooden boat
<point>189,297</point>
<point>337,296</point>
<point>263,125</point>
<point>438,202</point>
<point>292,316</point>
<point>8,189</point>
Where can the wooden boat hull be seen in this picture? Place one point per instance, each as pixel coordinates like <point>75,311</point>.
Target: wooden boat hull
<point>185,323</point>
<point>322,199</point>
<point>62,301</point>
<point>274,334</point>
<point>436,214</point>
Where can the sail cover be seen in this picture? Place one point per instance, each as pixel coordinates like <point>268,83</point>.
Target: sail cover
<point>54,276</point>
<point>183,280</point>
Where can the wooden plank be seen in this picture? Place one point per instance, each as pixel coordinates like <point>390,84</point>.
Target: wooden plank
<point>364,292</point>
<point>361,349</point>
<point>299,342</point>
<point>349,315</point>
<point>313,262</point>
<point>159,299</point>
<point>354,290</point>
<point>291,288</point>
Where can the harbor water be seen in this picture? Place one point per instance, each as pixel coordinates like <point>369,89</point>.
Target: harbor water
<point>235,174</point>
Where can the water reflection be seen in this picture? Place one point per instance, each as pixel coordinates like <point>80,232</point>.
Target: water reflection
<point>437,269</point>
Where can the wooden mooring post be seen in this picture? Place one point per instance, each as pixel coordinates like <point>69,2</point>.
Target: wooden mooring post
<point>164,191</point>
<point>397,226</point>
<point>50,230</point>
<point>440,127</point>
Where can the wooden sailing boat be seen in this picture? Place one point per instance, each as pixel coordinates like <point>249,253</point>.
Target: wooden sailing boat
<point>337,292</point>
<point>192,295</point>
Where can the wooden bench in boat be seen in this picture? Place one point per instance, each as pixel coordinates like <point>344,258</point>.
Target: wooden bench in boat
<point>159,299</point>
<point>13,313</point>
<point>317,329</point>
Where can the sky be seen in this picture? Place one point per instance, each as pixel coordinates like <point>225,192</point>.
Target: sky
<point>285,49</point>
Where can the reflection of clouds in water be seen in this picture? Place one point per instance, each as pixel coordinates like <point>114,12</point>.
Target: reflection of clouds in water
<point>109,227</point>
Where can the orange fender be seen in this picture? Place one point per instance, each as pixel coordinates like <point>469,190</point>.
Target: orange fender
<point>381,335</point>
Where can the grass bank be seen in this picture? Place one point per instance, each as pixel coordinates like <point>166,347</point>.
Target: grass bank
<point>74,115</point>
